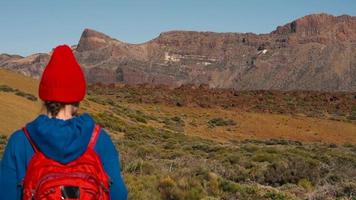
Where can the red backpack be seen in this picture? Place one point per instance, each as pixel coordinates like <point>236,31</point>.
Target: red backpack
<point>83,178</point>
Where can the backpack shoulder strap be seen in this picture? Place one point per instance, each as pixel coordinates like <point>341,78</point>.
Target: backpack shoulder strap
<point>30,140</point>
<point>94,136</point>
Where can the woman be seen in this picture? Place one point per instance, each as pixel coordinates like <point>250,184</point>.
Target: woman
<point>60,134</point>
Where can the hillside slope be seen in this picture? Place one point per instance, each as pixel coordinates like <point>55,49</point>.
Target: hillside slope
<point>15,107</point>
<point>250,123</point>
<point>188,152</point>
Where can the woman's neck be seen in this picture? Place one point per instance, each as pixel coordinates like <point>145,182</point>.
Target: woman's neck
<point>64,116</point>
<point>65,113</point>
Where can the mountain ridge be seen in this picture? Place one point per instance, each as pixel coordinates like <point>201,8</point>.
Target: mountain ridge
<point>315,52</point>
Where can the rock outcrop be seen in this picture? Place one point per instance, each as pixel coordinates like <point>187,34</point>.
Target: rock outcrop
<point>315,52</point>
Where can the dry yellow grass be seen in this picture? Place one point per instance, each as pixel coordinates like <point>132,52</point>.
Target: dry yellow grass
<point>19,81</point>
<point>255,125</point>
<point>15,112</point>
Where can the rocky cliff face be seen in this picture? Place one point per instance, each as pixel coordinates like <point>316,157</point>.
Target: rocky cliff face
<point>30,66</point>
<point>316,52</point>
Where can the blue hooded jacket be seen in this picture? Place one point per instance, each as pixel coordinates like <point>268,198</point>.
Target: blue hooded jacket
<point>60,140</point>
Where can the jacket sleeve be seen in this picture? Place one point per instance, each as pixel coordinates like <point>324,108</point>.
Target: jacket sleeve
<point>111,162</point>
<point>9,184</point>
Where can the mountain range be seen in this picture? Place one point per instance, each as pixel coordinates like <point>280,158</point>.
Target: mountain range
<point>315,52</point>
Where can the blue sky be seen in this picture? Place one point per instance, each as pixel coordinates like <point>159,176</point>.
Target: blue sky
<point>37,26</point>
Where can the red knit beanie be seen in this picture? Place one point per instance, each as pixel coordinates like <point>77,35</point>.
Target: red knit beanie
<point>63,79</point>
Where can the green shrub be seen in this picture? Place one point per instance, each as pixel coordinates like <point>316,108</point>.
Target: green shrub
<point>140,167</point>
<point>108,120</point>
<point>135,115</point>
<point>5,88</point>
<point>228,186</point>
<point>221,122</point>
<point>353,108</point>
<point>264,157</point>
<point>143,187</point>
<point>292,170</point>
<point>306,184</point>
<point>213,184</point>
<point>352,116</point>
<point>168,190</point>
<point>275,196</point>
<point>175,123</point>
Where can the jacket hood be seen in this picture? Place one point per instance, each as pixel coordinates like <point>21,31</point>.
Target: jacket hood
<point>61,140</point>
